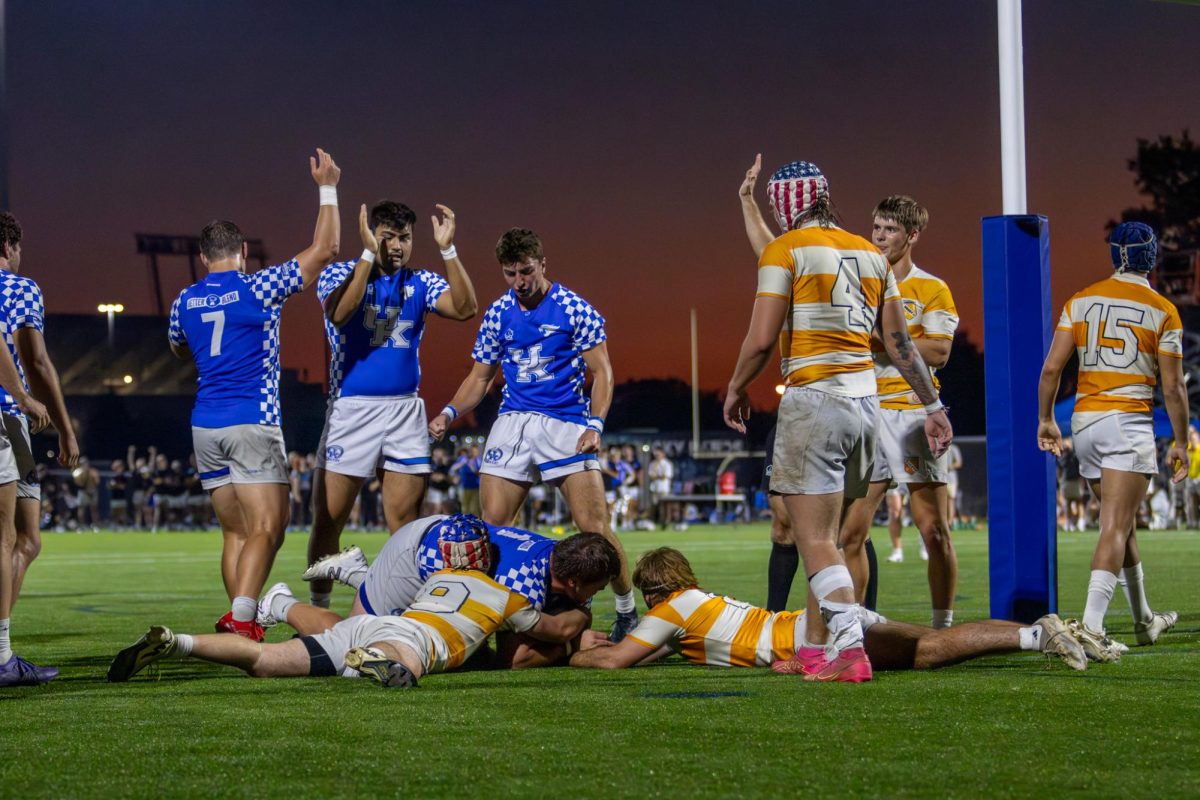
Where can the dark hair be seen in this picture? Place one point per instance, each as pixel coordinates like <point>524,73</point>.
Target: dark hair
<point>823,211</point>
<point>10,230</point>
<point>393,214</point>
<point>221,239</point>
<point>587,557</point>
<point>518,244</point>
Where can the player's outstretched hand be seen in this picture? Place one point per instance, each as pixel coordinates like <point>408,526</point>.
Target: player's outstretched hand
<point>751,179</point>
<point>1177,462</point>
<point>443,229</point>
<point>938,432</point>
<point>364,230</point>
<point>589,442</point>
<point>68,451</point>
<point>38,416</point>
<point>324,171</point>
<point>1049,438</point>
<point>737,410</point>
<point>438,425</point>
<point>589,639</point>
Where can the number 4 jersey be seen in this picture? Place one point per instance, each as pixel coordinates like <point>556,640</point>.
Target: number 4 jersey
<point>835,283</point>
<point>1121,328</point>
<point>230,322</point>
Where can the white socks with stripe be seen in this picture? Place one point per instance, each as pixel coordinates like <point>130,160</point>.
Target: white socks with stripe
<point>625,603</point>
<point>5,645</point>
<point>244,608</point>
<point>842,619</point>
<point>942,618</point>
<point>1100,592</point>
<point>1132,581</point>
<point>1031,637</point>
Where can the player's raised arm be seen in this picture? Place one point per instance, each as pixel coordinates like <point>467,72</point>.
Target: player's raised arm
<point>341,304</point>
<point>43,381</point>
<point>327,236</point>
<point>10,380</point>
<point>765,322</point>
<point>912,367</point>
<point>459,303</point>
<point>602,393</point>
<point>757,231</point>
<point>469,395</point>
<point>1049,437</point>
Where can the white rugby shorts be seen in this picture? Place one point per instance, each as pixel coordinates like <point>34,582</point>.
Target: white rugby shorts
<point>17,429</point>
<point>8,459</point>
<point>363,434</point>
<point>528,447</point>
<point>364,630</point>
<point>902,451</point>
<point>824,443</point>
<point>240,454</point>
<point>1122,441</point>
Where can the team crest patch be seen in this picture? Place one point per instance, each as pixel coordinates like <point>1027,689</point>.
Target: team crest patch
<point>910,309</point>
<point>334,453</point>
<point>912,465</point>
<point>493,455</point>
<point>508,335</point>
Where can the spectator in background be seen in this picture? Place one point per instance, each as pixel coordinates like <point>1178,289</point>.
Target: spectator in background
<point>466,471</point>
<point>631,487</point>
<point>198,505</point>
<point>1074,489</point>
<point>118,495</point>
<point>1191,500</point>
<point>661,473</point>
<point>295,493</point>
<point>534,505</point>
<point>954,462</point>
<point>306,485</point>
<point>87,483</point>
<point>437,497</point>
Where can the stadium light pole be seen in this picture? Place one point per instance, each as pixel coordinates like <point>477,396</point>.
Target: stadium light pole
<point>111,309</point>
<point>695,388</point>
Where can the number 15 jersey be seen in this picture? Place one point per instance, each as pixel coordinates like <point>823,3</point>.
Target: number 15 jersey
<point>1121,328</point>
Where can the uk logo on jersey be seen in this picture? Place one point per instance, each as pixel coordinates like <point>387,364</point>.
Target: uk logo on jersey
<point>494,455</point>
<point>531,366</point>
<point>388,330</point>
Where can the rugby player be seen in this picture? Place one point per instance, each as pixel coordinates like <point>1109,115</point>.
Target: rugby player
<point>545,337</point>
<point>719,631</point>
<point>822,292</point>
<point>375,313</point>
<point>228,324</point>
<point>1125,334</point>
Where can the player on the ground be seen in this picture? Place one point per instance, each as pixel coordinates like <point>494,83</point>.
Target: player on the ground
<point>821,293</point>
<point>546,338</point>
<point>561,573</point>
<point>14,670</point>
<point>228,324</point>
<point>719,631</point>
<point>22,319</point>
<point>375,313</point>
<point>1125,334</point>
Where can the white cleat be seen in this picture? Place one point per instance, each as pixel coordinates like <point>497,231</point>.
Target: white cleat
<point>897,556</point>
<point>1097,645</point>
<point>1057,640</point>
<point>924,553</point>
<point>156,643</point>
<point>265,618</point>
<point>340,567</point>
<point>1161,622</point>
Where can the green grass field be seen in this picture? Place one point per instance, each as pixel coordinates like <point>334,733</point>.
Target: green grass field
<point>1010,726</point>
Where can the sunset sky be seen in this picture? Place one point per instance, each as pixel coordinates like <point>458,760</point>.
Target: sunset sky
<point>618,131</point>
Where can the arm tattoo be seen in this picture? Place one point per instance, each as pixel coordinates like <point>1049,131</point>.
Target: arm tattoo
<point>911,366</point>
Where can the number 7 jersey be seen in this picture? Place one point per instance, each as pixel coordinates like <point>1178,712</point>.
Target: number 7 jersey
<point>1121,328</point>
<point>835,283</point>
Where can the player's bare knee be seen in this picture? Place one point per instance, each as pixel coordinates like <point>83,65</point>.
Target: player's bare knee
<point>29,545</point>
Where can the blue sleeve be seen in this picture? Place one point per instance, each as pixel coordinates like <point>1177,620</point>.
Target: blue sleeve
<point>275,284</point>
<point>587,326</point>
<point>332,277</point>
<point>27,310</point>
<point>435,287</point>
<point>175,333</point>
<point>487,348</point>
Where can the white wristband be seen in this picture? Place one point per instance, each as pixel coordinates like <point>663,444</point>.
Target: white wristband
<point>328,195</point>
<point>595,424</point>
<point>935,407</point>
<point>451,412</point>
<point>449,253</point>
<point>367,256</point>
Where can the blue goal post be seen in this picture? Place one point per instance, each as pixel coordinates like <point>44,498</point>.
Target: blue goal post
<point>1018,323</point>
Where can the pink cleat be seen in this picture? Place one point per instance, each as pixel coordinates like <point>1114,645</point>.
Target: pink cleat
<point>806,661</point>
<point>850,666</point>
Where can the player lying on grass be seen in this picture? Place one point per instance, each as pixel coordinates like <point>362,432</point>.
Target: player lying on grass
<point>450,617</point>
<point>533,566</point>
<point>720,631</point>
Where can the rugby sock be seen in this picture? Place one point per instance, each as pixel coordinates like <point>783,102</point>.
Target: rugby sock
<point>625,603</point>
<point>845,629</point>
<point>244,608</point>
<point>872,593</point>
<point>5,644</point>
<point>942,618</point>
<point>781,571</point>
<point>281,604</point>
<point>1031,637</point>
<point>318,599</point>
<point>183,644</point>
<point>1132,581</point>
<point>1100,592</point>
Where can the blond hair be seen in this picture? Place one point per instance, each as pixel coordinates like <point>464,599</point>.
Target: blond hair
<point>663,571</point>
<point>904,210</point>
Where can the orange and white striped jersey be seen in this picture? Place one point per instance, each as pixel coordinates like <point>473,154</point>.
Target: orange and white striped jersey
<point>836,283</point>
<point>719,631</point>
<point>458,609</point>
<point>929,309</point>
<point>1121,328</point>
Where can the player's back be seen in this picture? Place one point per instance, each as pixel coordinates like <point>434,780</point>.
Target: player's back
<point>835,283</point>
<point>459,609</point>
<point>521,560</point>
<point>230,322</point>
<point>1121,327</point>
<point>721,631</point>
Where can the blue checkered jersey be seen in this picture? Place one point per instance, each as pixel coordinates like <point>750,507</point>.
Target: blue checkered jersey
<point>230,321</point>
<point>522,565</point>
<point>375,353</point>
<point>541,352</point>
<point>20,307</point>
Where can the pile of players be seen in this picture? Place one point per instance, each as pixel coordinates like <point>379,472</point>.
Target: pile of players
<point>858,325</point>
